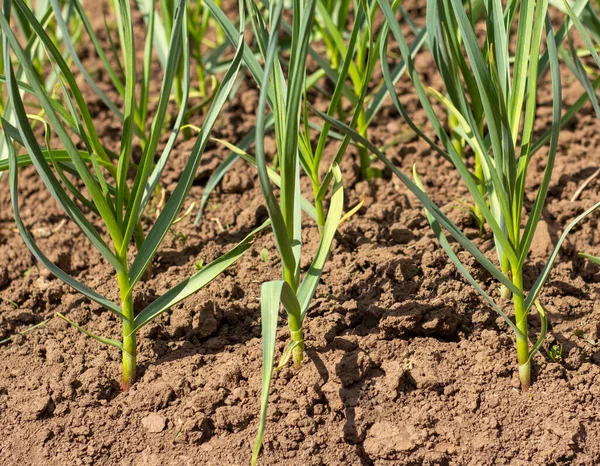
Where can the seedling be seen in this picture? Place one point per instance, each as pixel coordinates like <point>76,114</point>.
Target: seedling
<point>109,193</point>
<point>555,353</point>
<point>284,95</point>
<point>447,51</point>
<point>509,101</point>
<point>43,11</point>
<point>264,255</point>
<point>180,237</point>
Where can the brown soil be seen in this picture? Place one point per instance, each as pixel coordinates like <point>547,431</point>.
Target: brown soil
<point>405,364</point>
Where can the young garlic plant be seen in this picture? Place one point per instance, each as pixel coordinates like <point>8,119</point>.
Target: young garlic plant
<point>447,51</point>
<point>331,20</point>
<point>509,101</point>
<point>284,95</point>
<point>109,192</point>
<point>446,44</point>
<point>333,14</point>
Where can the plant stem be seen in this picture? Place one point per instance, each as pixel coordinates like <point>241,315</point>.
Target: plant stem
<point>129,336</point>
<point>363,153</point>
<point>522,342</point>
<point>481,186</point>
<point>295,325</point>
<point>319,205</point>
<point>504,291</point>
<point>295,321</point>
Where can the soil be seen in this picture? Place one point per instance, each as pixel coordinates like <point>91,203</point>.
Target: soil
<point>405,364</point>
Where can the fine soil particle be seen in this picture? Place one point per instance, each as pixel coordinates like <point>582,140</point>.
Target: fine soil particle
<point>405,364</point>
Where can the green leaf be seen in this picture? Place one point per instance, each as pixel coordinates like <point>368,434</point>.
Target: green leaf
<point>308,287</point>
<point>271,295</point>
<point>544,329</point>
<point>73,53</point>
<point>582,32</point>
<point>197,281</point>
<point>593,259</point>
<point>133,211</point>
<point>450,152</point>
<point>160,37</point>
<point>444,221</point>
<point>44,169</point>
<point>175,202</point>
<point>283,238</point>
<point>395,75</point>
<point>128,50</point>
<point>437,230</point>
<point>37,252</point>
<point>541,280</point>
<point>583,77</point>
<point>540,200</point>
<point>106,341</point>
<point>154,178</point>
<point>60,155</point>
<point>229,161</point>
<point>86,176</point>
<point>273,175</point>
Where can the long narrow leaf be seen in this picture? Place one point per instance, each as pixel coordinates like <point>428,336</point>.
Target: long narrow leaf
<point>173,205</point>
<point>271,295</point>
<point>428,203</point>
<point>37,252</point>
<point>308,287</point>
<point>197,281</point>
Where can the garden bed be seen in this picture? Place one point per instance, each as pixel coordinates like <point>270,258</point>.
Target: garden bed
<point>405,363</point>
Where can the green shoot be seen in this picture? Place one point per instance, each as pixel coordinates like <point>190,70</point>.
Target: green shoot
<point>509,103</point>
<point>200,21</point>
<point>199,265</point>
<point>555,353</point>
<point>43,12</point>
<point>360,55</point>
<point>264,255</point>
<point>285,97</point>
<point>120,202</point>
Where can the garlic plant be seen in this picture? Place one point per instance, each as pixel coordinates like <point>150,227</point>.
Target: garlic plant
<point>119,201</point>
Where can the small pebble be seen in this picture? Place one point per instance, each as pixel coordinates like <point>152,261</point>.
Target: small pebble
<point>154,423</point>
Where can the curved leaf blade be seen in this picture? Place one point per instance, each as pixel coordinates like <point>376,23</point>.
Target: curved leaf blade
<point>197,281</point>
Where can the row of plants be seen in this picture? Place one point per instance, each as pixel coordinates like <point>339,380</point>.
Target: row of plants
<point>482,121</point>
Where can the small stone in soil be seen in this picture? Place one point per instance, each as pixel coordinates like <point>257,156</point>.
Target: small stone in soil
<point>385,439</point>
<point>154,423</point>
<point>34,407</point>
